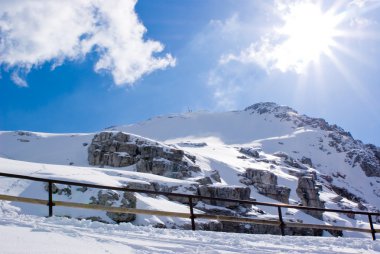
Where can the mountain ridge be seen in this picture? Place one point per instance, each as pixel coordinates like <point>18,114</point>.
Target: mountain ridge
<point>266,151</point>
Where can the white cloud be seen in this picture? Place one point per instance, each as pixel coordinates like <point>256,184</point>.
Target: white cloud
<point>262,53</point>
<point>52,31</point>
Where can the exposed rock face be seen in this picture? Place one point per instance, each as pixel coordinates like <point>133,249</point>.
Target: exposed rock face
<point>291,161</point>
<point>249,151</point>
<point>59,189</point>
<point>109,198</point>
<point>266,229</point>
<point>306,161</point>
<point>266,184</point>
<point>192,190</point>
<point>344,193</point>
<point>103,197</point>
<point>357,153</point>
<point>231,192</point>
<point>121,150</point>
<point>368,160</point>
<point>212,176</point>
<point>308,173</point>
<point>308,192</point>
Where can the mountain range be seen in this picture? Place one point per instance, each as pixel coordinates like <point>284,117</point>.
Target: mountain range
<point>265,152</point>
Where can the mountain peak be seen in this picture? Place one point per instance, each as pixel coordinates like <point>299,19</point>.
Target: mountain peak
<point>270,107</point>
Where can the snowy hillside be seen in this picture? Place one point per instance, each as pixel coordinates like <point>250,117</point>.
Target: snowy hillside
<point>266,152</point>
<point>29,234</point>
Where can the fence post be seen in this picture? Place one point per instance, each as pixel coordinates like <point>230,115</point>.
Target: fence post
<point>192,217</point>
<point>282,225</point>
<point>50,202</point>
<point>372,228</point>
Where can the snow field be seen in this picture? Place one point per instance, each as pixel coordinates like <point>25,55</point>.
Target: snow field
<point>31,234</point>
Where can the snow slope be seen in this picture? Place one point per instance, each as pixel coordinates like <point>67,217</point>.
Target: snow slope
<point>100,176</point>
<point>30,234</point>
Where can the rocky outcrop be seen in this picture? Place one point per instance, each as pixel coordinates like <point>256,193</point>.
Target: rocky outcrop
<point>209,178</point>
<point>230,192</point>
<point>191,189</point>
<point>368,160</point>
<point>367,156</point>
<point>308,192</point>
<point>344,193</point>
<point>121,150</point>
<point>102,197</point>
<point>248,228</point>
<point>302,173</point>
<point>249,151</point>
<point>267,229</point>
<point>266,184</point>
<point>109,198</point>
<point>290,161</point>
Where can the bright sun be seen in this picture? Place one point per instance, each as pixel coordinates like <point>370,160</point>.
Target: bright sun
<point>309,32</point>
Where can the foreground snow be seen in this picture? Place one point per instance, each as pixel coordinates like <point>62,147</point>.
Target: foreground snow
<point>30,234</point>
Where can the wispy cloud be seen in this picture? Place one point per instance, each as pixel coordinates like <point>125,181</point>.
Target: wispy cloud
<point>36,32</point>
<point>303,34</point>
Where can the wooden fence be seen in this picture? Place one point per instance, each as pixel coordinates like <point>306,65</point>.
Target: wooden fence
<point>190,215</point>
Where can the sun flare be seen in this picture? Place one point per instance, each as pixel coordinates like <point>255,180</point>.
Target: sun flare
<point>308,33</point>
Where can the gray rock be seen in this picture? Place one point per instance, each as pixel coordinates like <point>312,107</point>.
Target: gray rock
<point>290,161</point>
<point>166,168</point>
<point>307,161</point>
<point>192,190</point>
<point>144,166</point>
<point>301,173</point>
<point>174,155</point>
<point>118,149</point>
<point>59,189</point>
<point>308,192</point>
<point>149,151</point>
<point>266,184</point>
<point>280,193</point>
<point>249,151</point>
<point>260,176</point>
<point>267,229</point>
<point>204,180</point>
<point>140,186</point>
<point>346,194</point>
<point>109,198</point>
<point>215,176</point>
<point>230,192</point>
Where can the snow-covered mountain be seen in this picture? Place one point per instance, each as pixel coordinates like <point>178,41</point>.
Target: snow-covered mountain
<point>266,152</point>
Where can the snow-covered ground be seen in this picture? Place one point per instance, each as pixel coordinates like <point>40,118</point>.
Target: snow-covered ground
<point>30,234</point>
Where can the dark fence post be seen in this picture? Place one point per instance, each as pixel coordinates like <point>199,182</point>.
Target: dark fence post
<point>282,225</point>
<point>192,217</point>
<point>50,202</point>
<point>371,225</point>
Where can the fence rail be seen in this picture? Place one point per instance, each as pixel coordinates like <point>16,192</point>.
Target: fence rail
<point>191,215</point>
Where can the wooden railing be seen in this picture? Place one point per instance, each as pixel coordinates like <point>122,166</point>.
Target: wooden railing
<point>191,215</point>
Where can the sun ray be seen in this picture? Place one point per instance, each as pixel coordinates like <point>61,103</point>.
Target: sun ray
<point>352,54</point>
<point>365,97</point>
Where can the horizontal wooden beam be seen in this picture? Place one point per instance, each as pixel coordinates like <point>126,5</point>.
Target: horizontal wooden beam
<point>181,215</point>
<point>326,227</point>
<point>25,200</point>
<point>237,219</point>
<point>122,209</point>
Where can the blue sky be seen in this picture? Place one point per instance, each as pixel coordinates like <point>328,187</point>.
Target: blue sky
<point>80,71</point>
